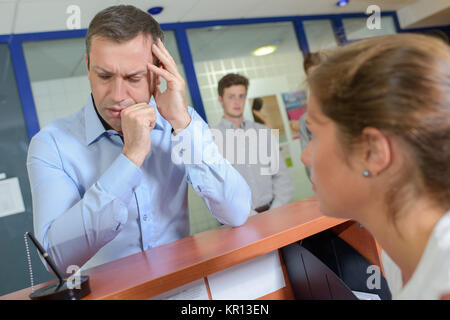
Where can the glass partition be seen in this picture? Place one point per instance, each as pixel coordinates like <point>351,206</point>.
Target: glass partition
<point>319,34</point>
<point>356,28</point>
<point>15,194</point>
<point>276,77</point>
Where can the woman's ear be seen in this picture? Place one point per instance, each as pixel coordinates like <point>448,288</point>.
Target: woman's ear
<point>377,148</point>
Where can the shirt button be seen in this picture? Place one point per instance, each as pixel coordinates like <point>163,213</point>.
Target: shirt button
<point>144,217</point>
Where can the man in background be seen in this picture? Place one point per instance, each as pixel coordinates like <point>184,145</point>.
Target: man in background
<point>269,190</point>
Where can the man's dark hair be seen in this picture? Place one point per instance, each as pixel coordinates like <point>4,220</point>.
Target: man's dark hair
<point>231,79</point>
<point>122,23</point>
<point>257,104</point>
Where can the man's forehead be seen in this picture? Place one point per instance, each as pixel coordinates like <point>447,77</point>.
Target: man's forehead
<point>146,39</point>
<point>129,59</point>
<point>235,88</point>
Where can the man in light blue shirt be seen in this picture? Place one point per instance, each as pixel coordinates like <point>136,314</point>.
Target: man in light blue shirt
<point>111,180</point>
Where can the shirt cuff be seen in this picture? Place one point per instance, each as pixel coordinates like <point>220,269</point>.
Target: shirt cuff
<point>122,177</point>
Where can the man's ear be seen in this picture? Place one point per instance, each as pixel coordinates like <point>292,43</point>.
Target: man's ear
<point>377,150</point>
<point>220,100</point>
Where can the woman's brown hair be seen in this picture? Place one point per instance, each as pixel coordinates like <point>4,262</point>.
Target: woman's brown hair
<point>312,59</point>
<point>399,84</point>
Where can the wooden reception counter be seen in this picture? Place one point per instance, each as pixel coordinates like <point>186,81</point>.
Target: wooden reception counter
<point>152,272</point>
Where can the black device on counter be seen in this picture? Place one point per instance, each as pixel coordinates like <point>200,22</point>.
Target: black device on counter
<point>62,289</point>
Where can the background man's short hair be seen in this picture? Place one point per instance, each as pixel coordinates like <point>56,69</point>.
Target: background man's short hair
<point>231,79</point>
<point>257,104</point>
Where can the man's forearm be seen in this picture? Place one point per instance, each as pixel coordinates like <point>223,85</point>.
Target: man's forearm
<point>73,227</point>
<point>223,189</point>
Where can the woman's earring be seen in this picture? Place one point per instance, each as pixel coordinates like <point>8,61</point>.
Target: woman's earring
<point>366,173</point>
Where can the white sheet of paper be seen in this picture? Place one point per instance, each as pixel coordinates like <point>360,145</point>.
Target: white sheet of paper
<point>248,280</point>
<point>11,200</point>
<point>195,290</point>
<point>366,296</point>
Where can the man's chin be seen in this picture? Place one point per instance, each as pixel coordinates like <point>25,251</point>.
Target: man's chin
<point>117,128</point>
<point>114,124</point>
<point>235,115</point>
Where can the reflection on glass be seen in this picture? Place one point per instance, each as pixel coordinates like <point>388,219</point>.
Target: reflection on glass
<point>357,28</point>
<point>171,46</point>
<point>58,77</point>
<point>224,49</point>
<point>319,34</point>
<point>220,50</point>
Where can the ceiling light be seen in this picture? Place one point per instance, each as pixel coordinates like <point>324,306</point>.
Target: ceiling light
<point>264,50</point>
<point>342,3</point>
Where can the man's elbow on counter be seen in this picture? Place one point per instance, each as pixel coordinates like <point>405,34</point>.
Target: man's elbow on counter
<point>241,208</point>
<point>239,220</point>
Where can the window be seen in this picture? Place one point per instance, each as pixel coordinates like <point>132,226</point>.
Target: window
<point>220,50</point>
<point>58,77</point>
<point>319,34</point>
<point>356,28</point>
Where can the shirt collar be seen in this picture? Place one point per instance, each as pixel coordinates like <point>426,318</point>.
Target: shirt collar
<point>94,127</point>
<point>229,125</point>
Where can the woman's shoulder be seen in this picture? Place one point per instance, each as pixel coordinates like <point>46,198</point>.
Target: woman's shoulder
<point>431,279</point>
<point>439,259</point>
<point>441,233</point>
<point>432,276</point>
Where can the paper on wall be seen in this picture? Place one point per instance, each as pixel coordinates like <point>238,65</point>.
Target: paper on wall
<point>11,200</point>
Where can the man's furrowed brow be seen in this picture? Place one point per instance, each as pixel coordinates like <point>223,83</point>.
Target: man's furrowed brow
<point>136,73</point>
<point>101,69</point>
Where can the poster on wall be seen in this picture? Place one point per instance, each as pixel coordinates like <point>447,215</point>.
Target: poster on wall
<point>295,106</point>
<point>265,110</point>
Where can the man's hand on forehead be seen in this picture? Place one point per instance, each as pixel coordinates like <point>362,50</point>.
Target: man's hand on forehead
<point>172,102</point>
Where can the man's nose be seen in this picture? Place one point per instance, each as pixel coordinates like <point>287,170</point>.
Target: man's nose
<point>119,91</point>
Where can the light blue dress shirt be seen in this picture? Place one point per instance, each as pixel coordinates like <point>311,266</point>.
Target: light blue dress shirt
<point>92,205</point>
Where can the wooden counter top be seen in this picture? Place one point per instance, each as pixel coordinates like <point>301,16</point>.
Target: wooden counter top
<point>148,273</point>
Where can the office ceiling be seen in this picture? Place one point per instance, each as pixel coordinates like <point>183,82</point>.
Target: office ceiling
<point>24,16</point>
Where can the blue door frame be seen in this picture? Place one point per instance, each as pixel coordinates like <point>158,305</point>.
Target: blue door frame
<point>15,42</point>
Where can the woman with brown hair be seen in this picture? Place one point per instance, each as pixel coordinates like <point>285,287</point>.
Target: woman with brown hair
<point>379,114</point>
